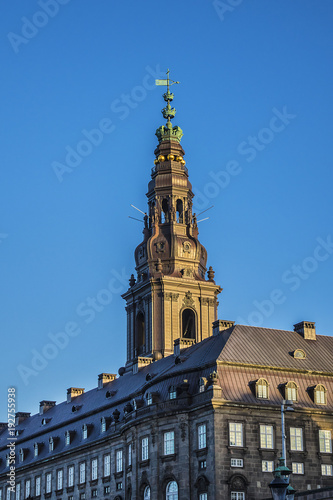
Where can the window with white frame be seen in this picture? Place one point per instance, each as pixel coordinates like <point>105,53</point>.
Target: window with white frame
<point>84,431</point>
<point>237,495</point>
<point>202,436</point>
<point>266,436</point>
<point>262,388</point>
<point>144,449</point>
<point>107,465</point>
<point>94,469</point>
<point>291,391</point>
<point>172,392</point>
<point>60,479</point>
<point>169,443</point>
<point>326,470</point>
<point>267,465</point>
<point>119,461</point>
<point>37,486</point>
<point>18,491</point>
<point>36,449</point>
<point>7,465</point>
<point>172,491</point>
<point>297,468</point>
<point>146,493</point>
<point>27,488</point>
<point>320,394</point>
<point>71,475</point>
<point>325,441</point>
<point>202,384</point>
<point>103,424</point>
<point>203,496</point>
<point>129,461</point>
<point>51,444</point>
<point>82,473</point>
<point>21,454</point>
<point>149,398</point>
<point>296,438</point>
<point>236,462</point>
<point>48,482</point>
<point>235,434</point>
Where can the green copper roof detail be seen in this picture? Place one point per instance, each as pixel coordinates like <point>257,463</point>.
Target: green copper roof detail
<point>168,132</point>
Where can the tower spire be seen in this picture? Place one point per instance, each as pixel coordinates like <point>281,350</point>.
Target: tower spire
<point>168,132</point>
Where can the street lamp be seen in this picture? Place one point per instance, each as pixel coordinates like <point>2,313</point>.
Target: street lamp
<point>279,484</point>
<point>290,493</point>
<point>285,406</point>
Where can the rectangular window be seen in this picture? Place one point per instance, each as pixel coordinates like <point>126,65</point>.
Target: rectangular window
<point>262,391</point>
<point>202,436</point>
<point>107,465</point>
<point>297,468</point>
<point>68,438</point>
<point>18,490</point>
<point>82,496</point>
<point>129,455</point>
<point>144,449</point>
<point>71,475</point>
<point>119,461</point>
<point>60,478</point>
<point>107,489</point>
<point>37,486</point>
<point>296,438</point>
<point>27,488</point>
<point>94,493</point>
<point>48,482</point>
<point>320,397</point>
<point>94,466</point>
<point>84,432</point>
<point>203,496</point>
<point>236,462</point>
<point>51,444</point>
<point>237,495</point>
<point>8,494</point>
<point>202,464</point>
<point>267,465</point>
<point>326,470</point>
<point>235,434</point>
<point>292,393</point>
<point>266,436</point>
<point>119,486</point>
<point>169,443</point>
<point>325,441</point>
<point>103,427</point>
<point>82,472</point>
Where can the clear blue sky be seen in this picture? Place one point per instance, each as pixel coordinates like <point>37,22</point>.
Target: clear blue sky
<point>255,105</point>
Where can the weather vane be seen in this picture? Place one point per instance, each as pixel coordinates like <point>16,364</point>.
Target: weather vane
<point>166,81</point>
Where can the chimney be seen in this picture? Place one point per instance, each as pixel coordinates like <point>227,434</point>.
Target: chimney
<point>307,329</point>
<point>20,416</point>
<point>73,392</point>
<point>182,344</point>
<point>105,378</point>
<point>45,406</point>
<point>140,362</point>
<point>220,325</point>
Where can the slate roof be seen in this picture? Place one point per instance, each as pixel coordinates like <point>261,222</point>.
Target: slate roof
<point>241,355</point>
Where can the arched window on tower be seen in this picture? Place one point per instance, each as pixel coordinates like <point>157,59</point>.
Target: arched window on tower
<point>188,324</point>
<point>179,209</point>
<point>140,332</point>
<point>165,211</point>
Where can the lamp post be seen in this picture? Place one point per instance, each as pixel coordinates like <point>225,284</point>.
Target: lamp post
<point>290,493</point>
<point>285,406</point>
<point>280,482</point>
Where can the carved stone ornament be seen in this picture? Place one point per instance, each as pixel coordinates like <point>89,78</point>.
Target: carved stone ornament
<point>186,246</point>
<point>171,296</point>
<point>187,272</point>
<point>188,301</point>
<point>160,245</point>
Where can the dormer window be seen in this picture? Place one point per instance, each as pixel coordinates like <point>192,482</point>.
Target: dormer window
<point>45,421</point>
<point>291,391</point>
<point>17,432</point>
<point>51,444</point>
<point>84,431</point>
<point>134,405</point>
<point>149,398</point>
<point>68,437</point>
<point>202,384</point>
<point>7,460</point>
<point>36,449</point>
<point>262,389</point>
<point>103,424</point>
<point>320,395</point>
<point>299,354</point>
<point>172,392</point>
<point>22,455</point>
